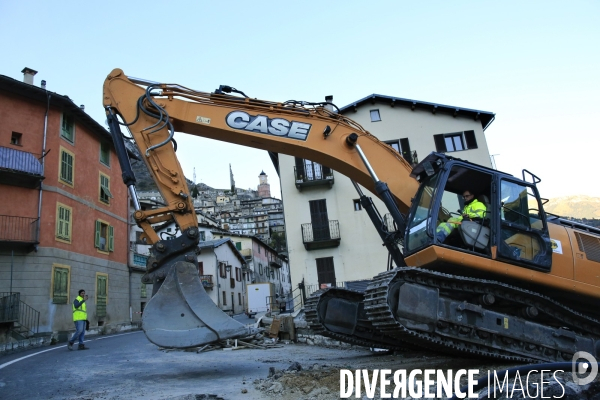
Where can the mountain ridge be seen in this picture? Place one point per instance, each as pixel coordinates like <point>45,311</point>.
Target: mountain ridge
<point>575,206</point>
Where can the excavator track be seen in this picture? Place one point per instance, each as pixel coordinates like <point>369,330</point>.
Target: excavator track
<point>354,330</point>
<point>453,328</point>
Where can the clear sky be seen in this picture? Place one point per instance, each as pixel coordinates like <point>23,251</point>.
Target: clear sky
<point>535,64</point>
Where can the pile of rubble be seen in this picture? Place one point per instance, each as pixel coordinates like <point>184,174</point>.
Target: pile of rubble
<point>322,382</point>
<point>319,382</point>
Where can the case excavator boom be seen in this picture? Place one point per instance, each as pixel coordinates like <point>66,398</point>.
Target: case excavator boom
<point>513,283</point>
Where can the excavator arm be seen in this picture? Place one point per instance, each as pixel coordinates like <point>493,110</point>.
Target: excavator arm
<point>179,315</point>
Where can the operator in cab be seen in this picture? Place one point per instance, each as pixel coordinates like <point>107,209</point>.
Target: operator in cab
<point>473,209</point>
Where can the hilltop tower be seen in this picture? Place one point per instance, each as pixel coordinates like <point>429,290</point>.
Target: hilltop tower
<point>264,189</point>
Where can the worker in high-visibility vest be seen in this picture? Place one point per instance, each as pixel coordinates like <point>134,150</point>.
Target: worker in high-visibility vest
<point>473,209</point>
<point>79,318</point>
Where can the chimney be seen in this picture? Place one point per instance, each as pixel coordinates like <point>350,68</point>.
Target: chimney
<point>43,85</point>
<point>28,75</point>
<point>82,107</point>
<point>329,100</point>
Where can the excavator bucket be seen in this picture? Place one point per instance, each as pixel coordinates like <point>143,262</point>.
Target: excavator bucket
<point>181,314</point>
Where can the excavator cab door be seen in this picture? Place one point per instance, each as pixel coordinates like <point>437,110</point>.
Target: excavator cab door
<point>523,231</point>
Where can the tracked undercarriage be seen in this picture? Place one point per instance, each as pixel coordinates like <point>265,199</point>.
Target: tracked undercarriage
<point>340,314</point>
<point>468,316</point>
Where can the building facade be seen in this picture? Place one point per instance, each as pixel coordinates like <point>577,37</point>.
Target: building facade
<point>263,263</point>
<point>220,269</point>
<point>330,238</point>
<point>64,224</point>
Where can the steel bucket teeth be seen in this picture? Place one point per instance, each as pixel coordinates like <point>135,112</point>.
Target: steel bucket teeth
<point>181,314</point>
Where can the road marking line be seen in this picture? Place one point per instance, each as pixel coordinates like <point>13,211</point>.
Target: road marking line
<point>60,347</point>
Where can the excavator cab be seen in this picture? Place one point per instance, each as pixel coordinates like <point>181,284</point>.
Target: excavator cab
<point>509,225</point>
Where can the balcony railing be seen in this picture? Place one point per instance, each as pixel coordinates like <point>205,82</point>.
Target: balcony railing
<point>359,286</point>
<point>321,236</point>
<point>207,281</point>
<point>139,260</point>
<point>18,231</point>
<point>20,168</point>
<point>313,175</point>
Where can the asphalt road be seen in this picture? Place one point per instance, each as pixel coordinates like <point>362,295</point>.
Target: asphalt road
<point>128,366</point>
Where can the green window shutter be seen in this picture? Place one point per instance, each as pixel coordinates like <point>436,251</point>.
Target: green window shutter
<point>63,223</point>
<point>66,169</point>
<point>61,283</point>
<point>101,290</point>
<point>97,234</point>
<point>105,153</point>
<point>67,127</point>
<point>111,238</point>
<point>238,245</point>
<point>105,193</point>
<point>67,223</point>
<point>59,222</point>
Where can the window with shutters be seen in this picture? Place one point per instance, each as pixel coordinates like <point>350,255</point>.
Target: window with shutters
<point>105,153</point>
<point>357,205</point>
<point>224,298</point>
<point>200,268</point>
<point>67,131</point>
<point>222,270</point>
<point>238,246</point>
<point>325,271</point>
<point>60,283</point>
<point>456,141</point>
<point>309,173</point>
<point>104,236</point>
<point>63,223</point>
<point>402,146</point>
<point>319,219</point>
<point>105,194</point>
<point>239,299</point>
<point>238,274</point>
<point>143,292</point>
<point>67,167</point>
<point>101,294</point>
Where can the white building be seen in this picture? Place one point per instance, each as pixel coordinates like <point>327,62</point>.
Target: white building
<point>330,238</point>
<point>263,263</point>
<point>221,272</point>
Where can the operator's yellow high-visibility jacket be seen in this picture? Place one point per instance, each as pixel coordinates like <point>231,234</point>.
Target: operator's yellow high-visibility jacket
<point>475,209</point>
<point>79,310</point>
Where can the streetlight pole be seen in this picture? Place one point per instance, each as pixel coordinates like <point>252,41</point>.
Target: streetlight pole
<point>494,160</point>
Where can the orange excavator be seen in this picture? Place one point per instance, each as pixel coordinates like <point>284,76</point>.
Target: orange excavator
<point>515,283</point>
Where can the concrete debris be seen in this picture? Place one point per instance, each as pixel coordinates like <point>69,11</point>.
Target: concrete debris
<point>295,367</point>
<point>321,382</point>
<point>316,381</point>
